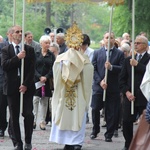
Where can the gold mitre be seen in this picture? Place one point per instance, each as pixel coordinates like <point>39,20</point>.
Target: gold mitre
<point>74,37</point>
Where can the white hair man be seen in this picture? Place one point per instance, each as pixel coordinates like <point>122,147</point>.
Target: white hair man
<point>126,49</point>
<point>1,39</point>
<point>60,39</point>
<point>126,36</point>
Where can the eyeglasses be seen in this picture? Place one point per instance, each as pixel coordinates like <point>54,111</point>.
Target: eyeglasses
<point>138,43</point>
<point>18,31</point>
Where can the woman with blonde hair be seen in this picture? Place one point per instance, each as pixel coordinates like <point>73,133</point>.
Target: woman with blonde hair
<point>43,72</point>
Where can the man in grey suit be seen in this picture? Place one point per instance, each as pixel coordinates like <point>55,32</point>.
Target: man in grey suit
<point>112,101</point>
<point>60,39</point>
<point>29,41</point>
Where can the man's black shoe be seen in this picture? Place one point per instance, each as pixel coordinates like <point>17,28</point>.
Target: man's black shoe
<point>68,147</point>
<point>77,147</point>
<point>93,136</point>
<point>125,148</point>
<point>108,140</point>
<point>34,125</point>
<point>28,147</point>
<point>18,147</point>
<point>10,132</point>
<point>1,134</point>
<point>116,133</point>
<point>104,125</point>
<point>65,148</point>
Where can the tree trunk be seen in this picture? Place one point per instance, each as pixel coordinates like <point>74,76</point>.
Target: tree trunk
<point>130,5</point>
<point>48,14</point>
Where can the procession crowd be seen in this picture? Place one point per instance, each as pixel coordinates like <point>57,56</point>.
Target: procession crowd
<point>63,77</point>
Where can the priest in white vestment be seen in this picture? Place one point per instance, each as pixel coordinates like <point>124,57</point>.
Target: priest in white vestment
<point>145,85</point>
<point>145,88</point>
<point>73,75</point>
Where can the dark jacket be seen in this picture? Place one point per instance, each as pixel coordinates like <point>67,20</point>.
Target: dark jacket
<point>43,67</point>
<point>63,48</point>
<point>10,64</point>
<point>99,59</point>
<point>126,77</point>
<point>3,44</point>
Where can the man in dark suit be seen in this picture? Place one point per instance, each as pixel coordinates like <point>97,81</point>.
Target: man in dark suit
<point>112,101</point>
<point>139,62</point>
<point>11,64</point>
<point>3,98</point>
<point>3,105</point>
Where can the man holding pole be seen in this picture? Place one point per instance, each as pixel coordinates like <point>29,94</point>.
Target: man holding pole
<point>11,64</point>
<point>139,62</point>
<point>112,101</point>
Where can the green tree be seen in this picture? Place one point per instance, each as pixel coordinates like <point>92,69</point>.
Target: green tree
<point>92,19</point>
<point>142,16</point>
<point>123,17</point>
<point>122,20</point>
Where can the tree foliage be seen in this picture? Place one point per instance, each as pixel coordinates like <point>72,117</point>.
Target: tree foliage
<point>122,20</point>
<point>142,16</point>
<point>123,17</point>
<point>92,19</point>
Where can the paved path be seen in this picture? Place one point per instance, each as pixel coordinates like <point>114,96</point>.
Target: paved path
<point>41,140</point>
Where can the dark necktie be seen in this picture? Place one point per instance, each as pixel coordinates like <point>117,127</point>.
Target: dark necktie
<point>17,49</point>
<point>139,57</point>
<point>110,52</point>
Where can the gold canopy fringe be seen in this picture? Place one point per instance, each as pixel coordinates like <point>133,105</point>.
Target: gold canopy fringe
<point>114,2</point>
<point>64,1</point>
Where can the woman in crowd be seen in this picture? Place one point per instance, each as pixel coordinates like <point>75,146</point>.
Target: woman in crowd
<point>54,48</point>
<point>43,72</point>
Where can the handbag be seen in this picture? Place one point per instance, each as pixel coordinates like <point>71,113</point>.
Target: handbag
<point>141,139</point>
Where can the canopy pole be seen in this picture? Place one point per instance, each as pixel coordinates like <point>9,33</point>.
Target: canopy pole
<point>22,61</point>
<point>14,12</point>
<point>133,37</point>
<point>108,50</point>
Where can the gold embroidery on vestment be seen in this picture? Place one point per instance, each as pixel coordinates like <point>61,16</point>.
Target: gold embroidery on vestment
<point>70,96</point>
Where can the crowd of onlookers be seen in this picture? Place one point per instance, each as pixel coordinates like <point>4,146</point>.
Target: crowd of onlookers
<point>116,106</point>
